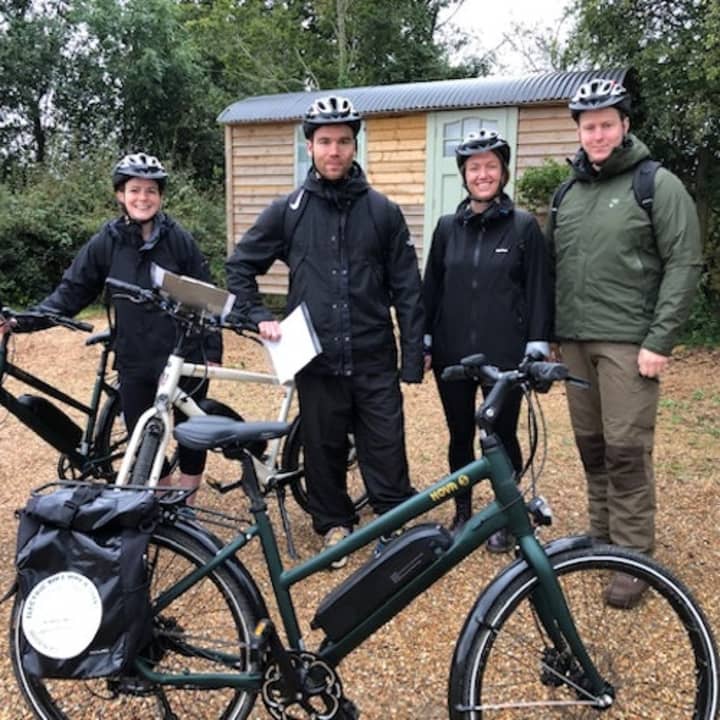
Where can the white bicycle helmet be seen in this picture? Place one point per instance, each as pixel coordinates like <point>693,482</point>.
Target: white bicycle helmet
<point>482,141</point>
<point>331,110</point>
<point>139,165</point>
<point>597,94</point>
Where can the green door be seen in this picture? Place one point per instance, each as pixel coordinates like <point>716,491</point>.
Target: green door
<point>445,130</point>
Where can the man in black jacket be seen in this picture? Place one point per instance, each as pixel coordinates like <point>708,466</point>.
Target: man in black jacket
<point>351,259</point>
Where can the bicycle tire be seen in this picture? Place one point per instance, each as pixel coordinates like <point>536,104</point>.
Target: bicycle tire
<point>214,616</point>
<point>152,435</point>
<point>660,656</point>
<point>292,458</point>
<point>111,437</point>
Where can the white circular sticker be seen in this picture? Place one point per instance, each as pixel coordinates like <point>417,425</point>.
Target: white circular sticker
<point>62,615</point>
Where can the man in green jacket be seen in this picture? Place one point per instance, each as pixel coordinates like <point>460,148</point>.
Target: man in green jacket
<point>624,284</point>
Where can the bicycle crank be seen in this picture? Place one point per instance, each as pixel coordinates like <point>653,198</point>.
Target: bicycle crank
<point>320,696</point>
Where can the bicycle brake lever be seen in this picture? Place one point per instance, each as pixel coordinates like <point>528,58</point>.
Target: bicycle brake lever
<point>578,382</point>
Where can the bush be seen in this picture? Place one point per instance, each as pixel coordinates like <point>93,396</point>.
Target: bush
<point>50,212</point>
<point>536,186</point>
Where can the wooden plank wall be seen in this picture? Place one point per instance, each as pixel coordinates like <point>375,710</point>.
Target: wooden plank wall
<point>260,168</point>
<point>395,165</point>
<point>544,131</point>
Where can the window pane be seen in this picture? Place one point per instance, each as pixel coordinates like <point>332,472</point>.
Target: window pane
<point>471,124</point>
<point>452,131</point>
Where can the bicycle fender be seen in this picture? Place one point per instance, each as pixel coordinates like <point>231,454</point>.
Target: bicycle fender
<point>486,599</point>
<point>236,568</point>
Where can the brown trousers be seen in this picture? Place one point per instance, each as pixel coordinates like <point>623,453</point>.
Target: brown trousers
<point>614,426</point>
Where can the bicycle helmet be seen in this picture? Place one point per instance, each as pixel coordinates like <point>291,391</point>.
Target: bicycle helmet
<point>331,110</point>
<point>139,165</point>
<point>597,94</point>
<point>482,141</point>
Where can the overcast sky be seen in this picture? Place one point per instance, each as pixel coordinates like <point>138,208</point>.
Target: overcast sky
<point>488,20</point>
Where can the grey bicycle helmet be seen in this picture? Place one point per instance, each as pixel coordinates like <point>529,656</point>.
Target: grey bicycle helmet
<point>139,165</point>
<point>331,110</point>
<point>597,94</point>
<point>482,141</point>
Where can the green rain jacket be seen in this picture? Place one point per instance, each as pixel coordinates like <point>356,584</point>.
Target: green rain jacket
<point>619,277</point>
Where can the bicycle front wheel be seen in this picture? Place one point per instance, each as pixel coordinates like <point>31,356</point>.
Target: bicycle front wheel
<point>205,630</point>
<point>292,459</point>
<point>660,657</point>
<point>111,437</point>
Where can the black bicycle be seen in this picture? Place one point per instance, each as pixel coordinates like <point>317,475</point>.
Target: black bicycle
<point>92,451</point>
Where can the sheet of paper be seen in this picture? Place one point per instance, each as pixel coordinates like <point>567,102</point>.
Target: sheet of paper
<point>297,346</point>
<point>192,292</point>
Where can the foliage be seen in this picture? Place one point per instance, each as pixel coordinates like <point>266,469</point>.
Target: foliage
<point>47,215</point>
<point>537,184</point>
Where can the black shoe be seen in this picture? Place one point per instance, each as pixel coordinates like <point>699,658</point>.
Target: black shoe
<point>500,542</point>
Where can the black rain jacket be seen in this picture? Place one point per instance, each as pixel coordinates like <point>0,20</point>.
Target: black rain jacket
<point>145,336</point>
<point>351,259</point>
<point>487,286</point>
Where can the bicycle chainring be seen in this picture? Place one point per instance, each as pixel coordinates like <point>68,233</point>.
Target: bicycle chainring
<point>321,697</point>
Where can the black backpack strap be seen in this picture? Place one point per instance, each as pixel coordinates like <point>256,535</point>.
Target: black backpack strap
<point>557,198</point>
<point>294,208</point>
<point>643,184</point>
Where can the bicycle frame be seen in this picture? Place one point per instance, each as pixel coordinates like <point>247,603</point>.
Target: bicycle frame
<point>169,395</point>
<point>508,510</point>
<point>79,454</point>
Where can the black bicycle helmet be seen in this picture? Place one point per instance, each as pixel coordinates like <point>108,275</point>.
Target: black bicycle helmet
<point>331,110</point>
<point>482,141</point>
<point>139,165</point>
<point>597,94</point>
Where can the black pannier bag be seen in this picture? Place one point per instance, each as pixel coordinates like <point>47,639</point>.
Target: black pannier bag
<point>82,576</point>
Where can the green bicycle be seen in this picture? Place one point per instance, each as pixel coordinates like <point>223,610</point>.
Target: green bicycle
<point>540,641</point>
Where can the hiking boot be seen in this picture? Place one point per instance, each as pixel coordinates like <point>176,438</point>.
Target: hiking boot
<point>385,540</point>
<point>624,591</point>
<point>332,537</point>
<point>500,542</point>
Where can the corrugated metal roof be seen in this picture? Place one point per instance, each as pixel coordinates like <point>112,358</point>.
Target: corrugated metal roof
<point>409,97</point>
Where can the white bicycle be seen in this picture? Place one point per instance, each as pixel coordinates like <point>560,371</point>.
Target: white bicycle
<point>278,462</point>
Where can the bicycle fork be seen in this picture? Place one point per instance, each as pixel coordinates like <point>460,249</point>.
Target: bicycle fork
<point>568,661</point>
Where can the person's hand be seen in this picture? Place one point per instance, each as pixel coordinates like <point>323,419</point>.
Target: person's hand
<point>555,353</point>
<point>427,362</point>
<point>270,330</point>
<point>6,325</point>
<point>651,364</point>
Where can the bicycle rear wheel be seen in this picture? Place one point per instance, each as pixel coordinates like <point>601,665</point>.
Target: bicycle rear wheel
<point>205,630</point>
<point>292,459</point>
<point>660,657</point>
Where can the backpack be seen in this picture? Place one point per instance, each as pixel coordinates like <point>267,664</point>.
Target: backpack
<point>81,571</point>
<point>643,185</point>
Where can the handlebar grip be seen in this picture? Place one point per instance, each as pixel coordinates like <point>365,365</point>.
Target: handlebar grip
<point>547,371</point>
<point>454,372</point>
<point>137,292</point>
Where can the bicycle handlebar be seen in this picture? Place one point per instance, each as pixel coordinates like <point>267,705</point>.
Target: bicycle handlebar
<point>40,319</point>
<point>175,309</point>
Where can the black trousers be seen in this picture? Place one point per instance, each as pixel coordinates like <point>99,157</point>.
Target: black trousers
<point>371,407</point>
<point>459,401</point>
<point>138,394</point>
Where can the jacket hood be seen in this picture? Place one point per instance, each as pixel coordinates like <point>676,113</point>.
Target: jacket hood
<point>622,158</point>
<point>500,207</point>
<point>349,188</point>
<point>128,228</point>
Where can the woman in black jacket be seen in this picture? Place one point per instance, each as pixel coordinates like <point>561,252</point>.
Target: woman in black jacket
<point>486,290</point>
<point>126,249</point>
